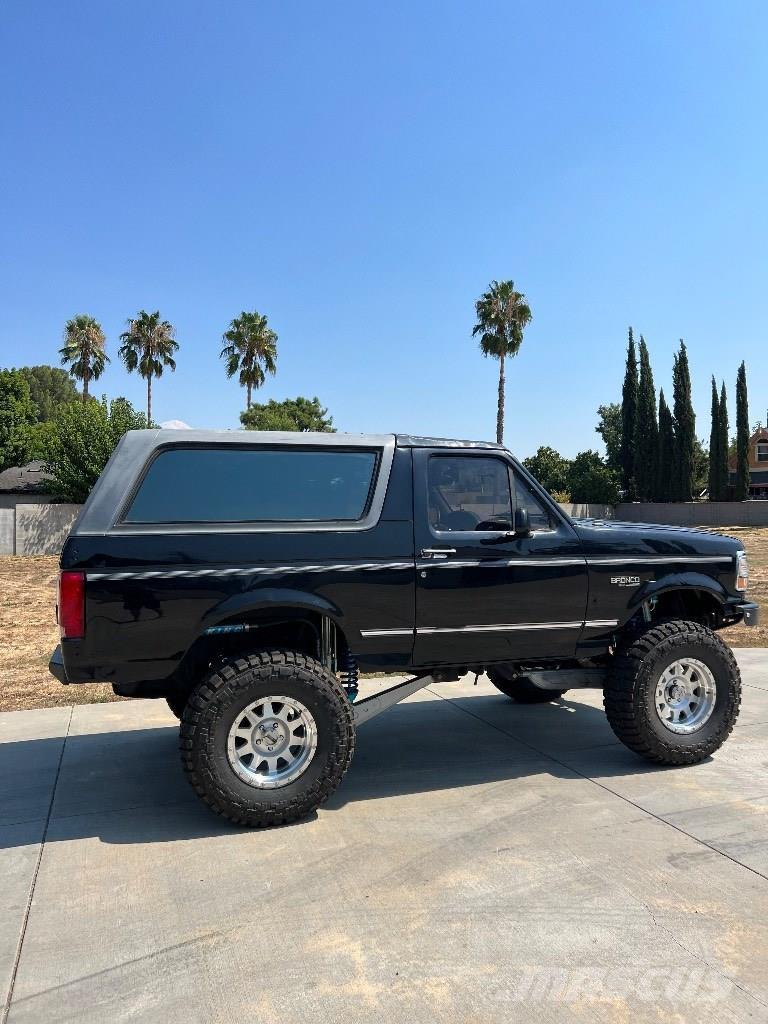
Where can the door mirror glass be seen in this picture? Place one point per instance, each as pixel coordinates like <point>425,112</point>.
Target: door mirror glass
<point>522,522</point>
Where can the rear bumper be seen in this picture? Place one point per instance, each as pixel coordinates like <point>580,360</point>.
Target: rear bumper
<point>56,666</point>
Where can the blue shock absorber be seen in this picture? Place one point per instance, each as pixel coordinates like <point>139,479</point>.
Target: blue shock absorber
<point>351,675</point>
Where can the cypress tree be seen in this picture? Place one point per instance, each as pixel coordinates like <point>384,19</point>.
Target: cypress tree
<point>646,430</point>
<point>742,436</point>
<point>666,490</point>
<point>723,447</point>
<point>713,481</point>
<point>685,427</point>
<point>628,420</point>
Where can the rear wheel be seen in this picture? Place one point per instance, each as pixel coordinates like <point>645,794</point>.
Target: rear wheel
<point>267,739</point>
<point>674,693</point>
<point>520,688</point>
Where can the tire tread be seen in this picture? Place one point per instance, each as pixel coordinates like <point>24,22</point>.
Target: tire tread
<point>622,704</point>
<point>221,687</point>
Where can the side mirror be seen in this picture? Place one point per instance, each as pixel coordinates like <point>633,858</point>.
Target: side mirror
<point>522,523</point>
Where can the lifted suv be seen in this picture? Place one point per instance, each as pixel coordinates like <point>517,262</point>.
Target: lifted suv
<point>248,577</point>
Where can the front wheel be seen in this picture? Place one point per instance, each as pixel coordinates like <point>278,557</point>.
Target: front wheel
<point>267,739</point>
<point>674,693</point>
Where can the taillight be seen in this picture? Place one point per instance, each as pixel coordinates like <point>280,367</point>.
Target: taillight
<point>72,605</point>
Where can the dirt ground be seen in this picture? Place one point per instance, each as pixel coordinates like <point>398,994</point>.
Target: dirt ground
<point>28,632</point>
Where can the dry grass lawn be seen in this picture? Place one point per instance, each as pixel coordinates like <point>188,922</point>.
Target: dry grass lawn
<point>28,632</point>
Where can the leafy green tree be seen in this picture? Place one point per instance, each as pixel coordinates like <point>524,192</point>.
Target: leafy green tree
<point>502,316</point>
<point>300,414</point>
<point>84,349</point>
<point>84,437</point>
<point>723,475</point>
<point>629,419</point>
<point>684,428</point>
<point>609,427</point>
<point>40,435</point>
<point>17,414</point>
<point>50,388</point>
<point>700,468</point>
<point>550,469</point>
<point>742,435</point>
<point>713,482</point>
<point>646,430</point>
<point>148,346</point>
<point>591,481</point>
<point>666,489</point>
<point>250,351</point>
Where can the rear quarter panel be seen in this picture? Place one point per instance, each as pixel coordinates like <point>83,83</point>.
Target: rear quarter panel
<point>149,596</point>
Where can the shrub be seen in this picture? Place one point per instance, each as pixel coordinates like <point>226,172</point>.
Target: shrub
<point>300,414</point>
<point>591,481</point>
<point>82,440</point>
<point>17,413</point>
<point>550,469</point>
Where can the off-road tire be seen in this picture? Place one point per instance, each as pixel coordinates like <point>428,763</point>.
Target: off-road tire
<point>215,703</point>
<point>629,694</point>
<point>520,688</point>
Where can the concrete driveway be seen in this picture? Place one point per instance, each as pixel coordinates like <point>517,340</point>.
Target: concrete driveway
<point>482,861</point>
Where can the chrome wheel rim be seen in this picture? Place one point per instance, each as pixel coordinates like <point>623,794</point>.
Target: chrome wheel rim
<point>271,742</point>
<point>685,695</point>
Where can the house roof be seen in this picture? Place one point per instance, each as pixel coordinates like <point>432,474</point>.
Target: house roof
<point>29,479</point>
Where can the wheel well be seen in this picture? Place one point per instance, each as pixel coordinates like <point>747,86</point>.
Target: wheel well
<point>692,605</point>
<point>294,629</point>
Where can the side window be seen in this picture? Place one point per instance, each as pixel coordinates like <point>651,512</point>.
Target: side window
<point>240,485</point>
<point>538,514</point>
<point>468,493</point>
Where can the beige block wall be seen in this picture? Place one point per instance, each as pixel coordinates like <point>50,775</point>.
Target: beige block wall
<point>42,529</point>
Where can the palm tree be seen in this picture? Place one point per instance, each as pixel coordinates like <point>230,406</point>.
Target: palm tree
<point>502,315</point>
<point>251,349</point>
<point>148,345</point>
<point>84,349</point>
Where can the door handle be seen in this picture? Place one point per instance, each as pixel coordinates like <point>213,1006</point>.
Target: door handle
<point>437,552</point>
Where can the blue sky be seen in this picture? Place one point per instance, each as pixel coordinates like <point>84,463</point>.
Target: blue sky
<point>360,171</point>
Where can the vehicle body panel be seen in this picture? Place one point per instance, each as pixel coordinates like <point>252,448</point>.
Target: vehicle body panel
<point>629,563</point>
<point>509,597</point>
<point>153,591</point>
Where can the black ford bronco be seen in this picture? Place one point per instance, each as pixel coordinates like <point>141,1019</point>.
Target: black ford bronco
<point>247,578</point>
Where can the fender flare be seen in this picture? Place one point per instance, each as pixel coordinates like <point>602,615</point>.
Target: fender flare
<point>250,603</point>
<point>269,599</point>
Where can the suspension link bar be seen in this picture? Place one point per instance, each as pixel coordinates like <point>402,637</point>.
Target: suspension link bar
<point>366,709</point>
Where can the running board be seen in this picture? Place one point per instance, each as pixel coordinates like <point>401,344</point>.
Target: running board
<point>365,710</point>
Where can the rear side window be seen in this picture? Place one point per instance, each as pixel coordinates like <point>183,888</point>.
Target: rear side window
<point>239,485</point>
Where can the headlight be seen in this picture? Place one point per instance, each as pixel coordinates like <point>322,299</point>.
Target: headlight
<point>742,571</point>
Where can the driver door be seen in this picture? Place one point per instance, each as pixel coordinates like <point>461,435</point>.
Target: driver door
<point>483,594</point>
